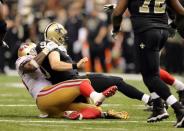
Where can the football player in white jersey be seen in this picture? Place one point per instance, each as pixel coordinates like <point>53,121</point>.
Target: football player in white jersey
<point>57,100</point>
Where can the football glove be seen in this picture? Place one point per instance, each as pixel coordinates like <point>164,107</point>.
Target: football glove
<point>113,34</point>
<point>109,8</point>
<point>112,114</point>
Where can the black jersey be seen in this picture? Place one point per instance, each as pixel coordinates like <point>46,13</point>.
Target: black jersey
<point>146,14</point>
<point>56,76</point>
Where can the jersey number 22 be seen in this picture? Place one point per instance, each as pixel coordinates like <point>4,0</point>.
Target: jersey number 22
<point>159,6</point>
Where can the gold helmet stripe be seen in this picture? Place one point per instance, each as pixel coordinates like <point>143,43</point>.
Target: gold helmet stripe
<point>45,34</point>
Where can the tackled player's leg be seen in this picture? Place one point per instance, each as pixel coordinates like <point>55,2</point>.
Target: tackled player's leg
<point>55,99</point>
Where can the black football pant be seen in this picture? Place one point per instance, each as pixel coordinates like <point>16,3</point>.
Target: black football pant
<point>3,29</point>
<point>101,82</point>
<point>148,45</point>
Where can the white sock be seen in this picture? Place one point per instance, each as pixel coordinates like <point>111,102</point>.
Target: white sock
<point>178,85</point>
<point>145,98</point>
<point>171,100</point>
<point>95,96</point>
<point>154,95</point>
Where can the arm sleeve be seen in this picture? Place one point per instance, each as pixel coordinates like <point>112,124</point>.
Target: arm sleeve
<point>22,60</point>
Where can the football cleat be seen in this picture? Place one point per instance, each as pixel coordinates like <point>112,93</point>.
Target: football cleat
<point>158,114</point>
<point>110,91</point>
<point>73,115</point>
<point>43,115</point>
<point>105,94</point>
<point>180,119</point>
<point>159,111</point>
<point>181,97</point>
<point>149,105</point>
<point>112,114</point>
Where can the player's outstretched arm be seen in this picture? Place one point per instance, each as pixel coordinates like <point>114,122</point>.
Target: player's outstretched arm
<point>117,14</point>
<point>58,65</point>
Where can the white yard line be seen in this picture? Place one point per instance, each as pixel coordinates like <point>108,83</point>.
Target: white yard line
<point>16,105</point>
<point>12,84</point>
<point>82,127</point>
<point>104,105</point>
<point>75,122</point>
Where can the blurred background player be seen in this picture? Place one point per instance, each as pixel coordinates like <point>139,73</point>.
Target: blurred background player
<point>2,25</point>
<point>3,30</point>
<point>55,100</point>
<point>97,38</point>
<point>150,24</point>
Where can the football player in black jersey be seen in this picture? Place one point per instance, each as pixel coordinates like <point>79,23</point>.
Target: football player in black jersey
<point>68,70</point>
<point>2,25</point>
<point>150,24</point>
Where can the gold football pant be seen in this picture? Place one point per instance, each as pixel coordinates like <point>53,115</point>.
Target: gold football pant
<point>56,99</point>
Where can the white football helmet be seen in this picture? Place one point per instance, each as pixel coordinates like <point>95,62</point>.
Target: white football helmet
<point>27,49</point>
<point>55,32</point>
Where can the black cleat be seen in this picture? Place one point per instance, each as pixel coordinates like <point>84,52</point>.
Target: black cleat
<point>158,114</point>
<point>181,97</point>
<point>159,111</point>
<point>180,119</point>
<point>149,105</point>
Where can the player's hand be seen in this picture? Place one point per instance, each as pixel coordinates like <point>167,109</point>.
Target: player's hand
<point>115,35</point>
<point>109,8</point>
<point>51,46</point>
<point>82,62</point>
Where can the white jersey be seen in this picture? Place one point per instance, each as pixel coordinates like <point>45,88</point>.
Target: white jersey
<point>34,81</point>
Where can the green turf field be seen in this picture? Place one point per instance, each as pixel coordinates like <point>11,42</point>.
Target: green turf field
<point>19,113</point>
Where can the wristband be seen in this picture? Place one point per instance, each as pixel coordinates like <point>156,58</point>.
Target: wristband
<point>74,66</point>
<point>45,51</point>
